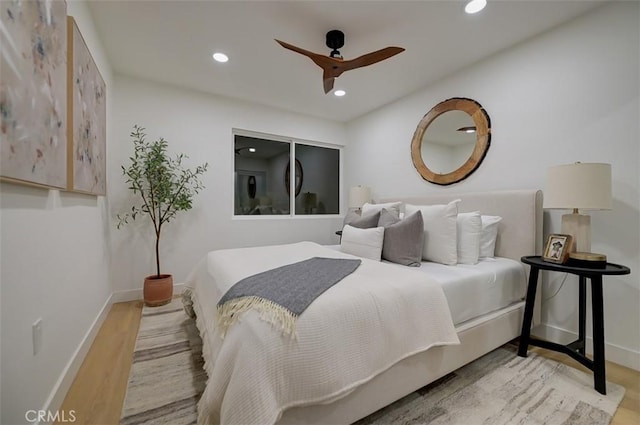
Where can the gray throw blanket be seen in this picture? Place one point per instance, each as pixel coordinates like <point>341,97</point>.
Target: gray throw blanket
<point>283,293</point>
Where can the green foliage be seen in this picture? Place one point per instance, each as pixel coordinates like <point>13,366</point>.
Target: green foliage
<point>163,185</point>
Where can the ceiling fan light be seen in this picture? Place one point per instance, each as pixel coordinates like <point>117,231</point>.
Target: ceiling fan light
<point>220,57</point>
<point>475,6</point>
<point>339,93</point>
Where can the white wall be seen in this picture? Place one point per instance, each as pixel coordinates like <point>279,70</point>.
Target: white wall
<point>568,95</point>
<point>55,266</point>
<point>200,126</point>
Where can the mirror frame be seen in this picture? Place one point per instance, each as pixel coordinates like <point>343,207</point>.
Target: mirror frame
<point>483,140</point>
<point>298,176</point>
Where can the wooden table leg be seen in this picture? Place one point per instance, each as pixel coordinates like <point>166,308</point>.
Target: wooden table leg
<point>528,312</point>
<point>599,373</point>
<point>582,315</point>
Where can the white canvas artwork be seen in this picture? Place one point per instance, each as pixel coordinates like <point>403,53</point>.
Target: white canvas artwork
<point>87,119</point>
<point>33,92</point>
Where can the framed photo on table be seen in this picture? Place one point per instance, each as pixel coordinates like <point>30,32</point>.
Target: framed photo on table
<point>557,248</point>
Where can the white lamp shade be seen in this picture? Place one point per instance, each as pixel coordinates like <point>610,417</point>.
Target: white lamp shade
<point>310,200</point>
<point>585,186</point>
<point>358,196</point>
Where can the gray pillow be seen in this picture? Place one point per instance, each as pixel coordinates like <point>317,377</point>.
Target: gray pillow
<point>403,239</point>
<point>387,218</point>
<point>362,222</point>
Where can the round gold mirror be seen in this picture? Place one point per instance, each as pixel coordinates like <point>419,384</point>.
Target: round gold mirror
<point>453,139</point>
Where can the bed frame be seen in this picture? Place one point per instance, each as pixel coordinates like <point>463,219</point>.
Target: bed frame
<point>519,234</point>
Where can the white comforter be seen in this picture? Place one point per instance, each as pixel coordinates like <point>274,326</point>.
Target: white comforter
<point>357,329</point>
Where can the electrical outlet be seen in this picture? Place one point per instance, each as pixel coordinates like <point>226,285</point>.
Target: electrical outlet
<point>36,334</point>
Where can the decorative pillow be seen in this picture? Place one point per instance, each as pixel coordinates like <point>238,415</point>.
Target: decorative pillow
<point>372,208</point>
<point>489,235</point>
<point>365,243</point>
<point>469,230</point>
<point>364,221</point>
<point>387,218</point>
<point>403,239</point>
<point>440,231</point>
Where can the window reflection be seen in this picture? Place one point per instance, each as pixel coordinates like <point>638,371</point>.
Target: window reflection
<point>263,173</point>
<point>320,193</point>
<point>258,170</point>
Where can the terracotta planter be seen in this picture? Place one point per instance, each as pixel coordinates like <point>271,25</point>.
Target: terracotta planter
<point>158,290</point>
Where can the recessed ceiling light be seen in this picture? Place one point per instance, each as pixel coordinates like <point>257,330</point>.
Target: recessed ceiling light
<point>339,93</point>
<point>252,150</point>
<point>467,129</point>
<point>220,57</point>
<point>475,6</point>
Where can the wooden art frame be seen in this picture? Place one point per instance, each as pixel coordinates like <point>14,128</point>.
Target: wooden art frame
<point>33,93</point>
<point>87,118</point>
<point>558,248</point>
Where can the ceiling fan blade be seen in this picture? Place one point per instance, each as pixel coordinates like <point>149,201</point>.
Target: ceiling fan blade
<point>295,48</point>
<point>334,67</point>
<point>371,58</point>
<point>327,82</point>
<point>322,61</point>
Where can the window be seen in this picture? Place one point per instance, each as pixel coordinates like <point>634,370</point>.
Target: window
<point>267,182</point>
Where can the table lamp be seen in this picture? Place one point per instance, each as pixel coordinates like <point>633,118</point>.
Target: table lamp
<point>579,186</point>
<point>310,201</point>
<point>358,196</point>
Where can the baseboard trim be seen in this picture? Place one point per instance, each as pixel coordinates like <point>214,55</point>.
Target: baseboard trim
<point>127,295</point>
<point>60,389</point>
<point>613,353</point>
<point>136,294</point>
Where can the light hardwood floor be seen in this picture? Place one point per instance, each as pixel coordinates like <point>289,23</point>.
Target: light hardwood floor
<point>98,391</point>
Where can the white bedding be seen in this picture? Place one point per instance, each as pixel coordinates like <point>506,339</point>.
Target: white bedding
<point>474,290</point>
<point>357,329</point>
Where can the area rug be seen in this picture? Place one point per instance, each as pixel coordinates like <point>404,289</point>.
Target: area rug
<point>167,376</point>
<point>501,388</point>
<point>167,379</point>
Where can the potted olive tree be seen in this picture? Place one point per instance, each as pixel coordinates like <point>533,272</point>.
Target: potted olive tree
<point>164,187</point>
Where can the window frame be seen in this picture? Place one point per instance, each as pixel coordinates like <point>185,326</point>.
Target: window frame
<point>293,141</point>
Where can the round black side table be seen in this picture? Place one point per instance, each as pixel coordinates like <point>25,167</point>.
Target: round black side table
<point>575,349</point>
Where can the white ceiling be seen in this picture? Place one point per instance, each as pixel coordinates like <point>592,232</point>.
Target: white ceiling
<point>172,42</point>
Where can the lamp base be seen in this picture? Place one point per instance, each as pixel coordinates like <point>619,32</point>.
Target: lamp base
<point>587,259</point>
<point>578,226</point>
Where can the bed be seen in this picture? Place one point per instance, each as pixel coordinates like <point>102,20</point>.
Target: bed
<point>421,360</point>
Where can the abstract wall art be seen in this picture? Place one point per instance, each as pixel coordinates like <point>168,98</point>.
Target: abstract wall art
<point>87,119</point>
<point>33,92</point>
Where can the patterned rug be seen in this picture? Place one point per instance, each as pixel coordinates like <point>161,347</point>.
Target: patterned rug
<point>501,388</point>
<point>167,376</point>
<point>167,379</point>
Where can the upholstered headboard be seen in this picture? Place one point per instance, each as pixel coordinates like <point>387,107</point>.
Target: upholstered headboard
<point>519,232</point>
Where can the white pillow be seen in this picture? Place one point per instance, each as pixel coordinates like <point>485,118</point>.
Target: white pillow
<point>469,231</point>
<point>440,231</point>
<point>489,235</point>
<point>394,207</point>
<point>365,243</point>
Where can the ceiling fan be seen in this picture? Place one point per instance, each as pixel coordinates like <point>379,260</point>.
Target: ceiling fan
<point>334,65</point>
